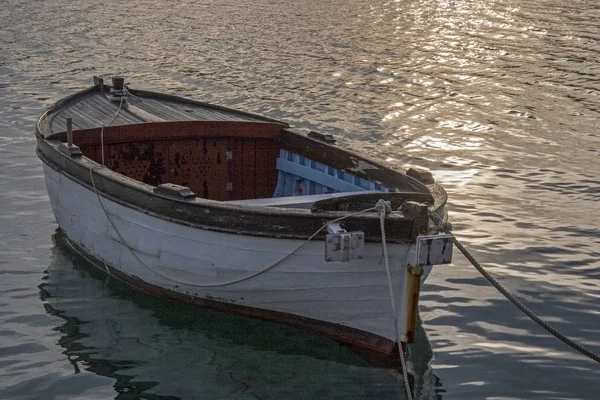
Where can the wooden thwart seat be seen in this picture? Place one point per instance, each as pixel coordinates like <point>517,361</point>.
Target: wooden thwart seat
<point>306,201</point>
<point>346,201</point>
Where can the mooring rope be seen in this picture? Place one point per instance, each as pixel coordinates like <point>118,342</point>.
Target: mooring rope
<point>575,346</point>
<point>384,208</point>
<point>110,122</point>
<point>523,308</point>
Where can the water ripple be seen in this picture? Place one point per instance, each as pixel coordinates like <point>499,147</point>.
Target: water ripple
<point>499,99</point>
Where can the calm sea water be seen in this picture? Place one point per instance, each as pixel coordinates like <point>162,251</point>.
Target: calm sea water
<point>500,99</point>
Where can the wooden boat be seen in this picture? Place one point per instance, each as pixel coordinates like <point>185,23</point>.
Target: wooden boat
<point>231,210</point>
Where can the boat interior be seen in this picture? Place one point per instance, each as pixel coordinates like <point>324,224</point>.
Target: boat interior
<point>252,163</point>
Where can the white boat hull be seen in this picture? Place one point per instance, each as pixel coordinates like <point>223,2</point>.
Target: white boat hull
<point>192,264</point>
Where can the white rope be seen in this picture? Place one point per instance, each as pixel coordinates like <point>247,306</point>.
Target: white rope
<point>111,121</point>
<point>262,271</point>
<point>439,225</point>
<point>384,208</point>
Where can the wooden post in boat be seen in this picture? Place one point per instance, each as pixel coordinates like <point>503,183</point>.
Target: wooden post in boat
<point>70,148</point>
<point>118,83</point>
<point>413,287</point>
<point>70,132</point>
<point>419,213</point>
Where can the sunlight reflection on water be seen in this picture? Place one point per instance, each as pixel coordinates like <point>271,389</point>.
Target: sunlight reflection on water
<point>498,99</point>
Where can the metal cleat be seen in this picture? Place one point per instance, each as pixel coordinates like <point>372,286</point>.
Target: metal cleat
<point>343,246</point>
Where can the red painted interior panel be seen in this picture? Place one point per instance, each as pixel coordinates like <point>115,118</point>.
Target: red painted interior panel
<point>199,163</point>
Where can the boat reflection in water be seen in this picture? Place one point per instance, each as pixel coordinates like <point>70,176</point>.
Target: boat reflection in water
<point>156,349</point>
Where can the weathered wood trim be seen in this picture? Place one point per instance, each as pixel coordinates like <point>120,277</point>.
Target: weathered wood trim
<point>350,202</point>
<point>345,160</point>
<point>419,212</point>
<point>184,100</point>
<point>215,215</point>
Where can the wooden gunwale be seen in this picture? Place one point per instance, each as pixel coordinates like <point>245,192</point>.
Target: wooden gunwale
<point>214,215</point>
<point>288,139</point>
<point>184,100</point>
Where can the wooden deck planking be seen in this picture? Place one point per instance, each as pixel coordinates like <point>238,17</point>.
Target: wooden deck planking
<point>111,109</point>
<point>152,107</point>
<point>80,118</point>
<point>178,110</point>
<point>95,110</point>
<point>196,112</point>
<point>60,122</point>
<point>90,115</point>
<point>162,110</point>
<point>208,114</point>
<point>105,109</point>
